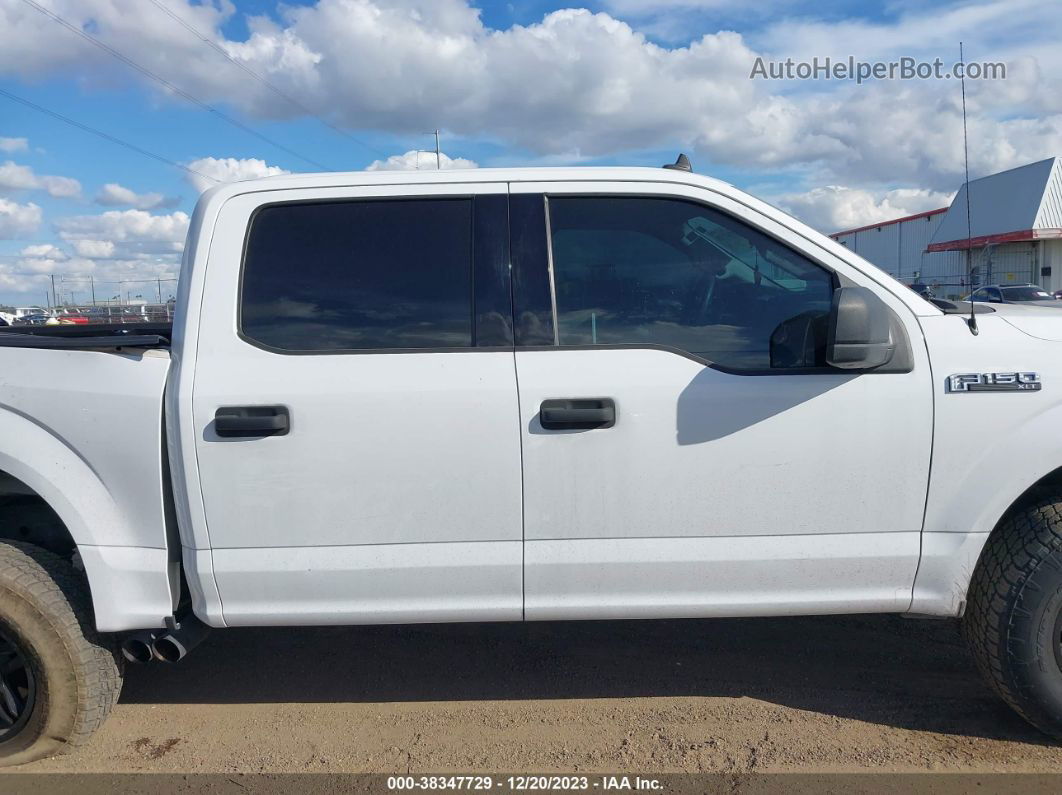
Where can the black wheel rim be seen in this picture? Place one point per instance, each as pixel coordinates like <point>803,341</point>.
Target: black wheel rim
<point>18,690</point>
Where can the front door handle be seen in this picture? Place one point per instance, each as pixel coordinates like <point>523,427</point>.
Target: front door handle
<point>570,414</point>
<point>251,421</point>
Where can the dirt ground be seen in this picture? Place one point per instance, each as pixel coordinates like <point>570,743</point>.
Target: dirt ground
<point>864,693</point>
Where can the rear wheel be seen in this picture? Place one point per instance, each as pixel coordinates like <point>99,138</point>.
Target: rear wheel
<point>1013,620</point>
<point>58,677</point>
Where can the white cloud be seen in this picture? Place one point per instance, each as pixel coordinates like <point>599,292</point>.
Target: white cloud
<point>48,250</point>
<point>589,84</point>
<point>13,144</point>
<point>119,249</point>
<point>834,207</point>
<point>18,177</point>
<point>124,233</point>
<point>93,248</point>
<point>126,249</point>
<point>416,159</point>
<point>125,225</point>
<point>648,7</point>
<point>61,187</point>
<point>72,277</point>
<point>229,169</point>
<point>18,220</point>
<point>114,195</point>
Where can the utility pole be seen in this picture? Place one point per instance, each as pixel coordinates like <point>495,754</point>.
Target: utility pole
<point>92,287</point>
<point>53,290</point>
<point>158,279</point>
<point>438,154</point>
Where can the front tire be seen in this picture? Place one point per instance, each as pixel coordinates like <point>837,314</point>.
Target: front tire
<point>1013,620</point>
<point>59,678</point>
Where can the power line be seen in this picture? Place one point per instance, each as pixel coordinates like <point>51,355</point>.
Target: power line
<point>65,278</point>
<point>106,136</point>
<point>279,92</point>
<point>167,84</point>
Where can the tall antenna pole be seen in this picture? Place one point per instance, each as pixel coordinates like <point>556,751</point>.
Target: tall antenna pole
<point>972,322</point>
<point>438,154</point>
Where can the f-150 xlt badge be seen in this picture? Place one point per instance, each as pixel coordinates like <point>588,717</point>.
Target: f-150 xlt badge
<point>993,382</point>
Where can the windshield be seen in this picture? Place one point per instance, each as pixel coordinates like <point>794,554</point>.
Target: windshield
<point>1025,294</point>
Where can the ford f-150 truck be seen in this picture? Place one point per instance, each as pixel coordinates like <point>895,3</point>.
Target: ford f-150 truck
<point>520,395</point>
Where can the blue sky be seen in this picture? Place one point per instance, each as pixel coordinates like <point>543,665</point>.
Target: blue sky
<point>510,83</point>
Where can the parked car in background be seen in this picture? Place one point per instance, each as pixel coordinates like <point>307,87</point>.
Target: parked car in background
<point>16,315</point>
<point>70,316</point>
<point>1030,294</point>
<point>95,314</point>
<point>33,319</point>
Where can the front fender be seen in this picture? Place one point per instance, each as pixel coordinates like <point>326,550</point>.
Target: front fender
<point>988,448</point>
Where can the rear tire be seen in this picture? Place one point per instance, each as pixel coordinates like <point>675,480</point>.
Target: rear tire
<point>1013,620</point>
<point>67,677</point>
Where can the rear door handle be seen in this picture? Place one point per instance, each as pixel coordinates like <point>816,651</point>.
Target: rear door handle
<point>250,421</point>
<point>569,414</point>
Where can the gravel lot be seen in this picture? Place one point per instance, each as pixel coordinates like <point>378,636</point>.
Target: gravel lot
<point>863,693</point>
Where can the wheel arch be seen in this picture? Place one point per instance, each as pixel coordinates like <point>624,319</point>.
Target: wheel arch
<point>131,586</point>
<point>950,559</point>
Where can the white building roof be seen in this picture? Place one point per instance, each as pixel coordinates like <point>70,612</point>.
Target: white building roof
<point>1024,203</point>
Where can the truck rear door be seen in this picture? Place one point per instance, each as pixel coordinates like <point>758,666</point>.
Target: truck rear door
<point>356,410</point>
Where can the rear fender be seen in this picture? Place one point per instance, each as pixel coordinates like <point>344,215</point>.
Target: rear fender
<point>91,448</point>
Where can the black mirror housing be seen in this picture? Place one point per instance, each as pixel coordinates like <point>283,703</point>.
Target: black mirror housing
<point>859,336</point>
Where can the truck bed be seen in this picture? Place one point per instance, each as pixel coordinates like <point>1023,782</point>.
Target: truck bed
<point>88,336</point>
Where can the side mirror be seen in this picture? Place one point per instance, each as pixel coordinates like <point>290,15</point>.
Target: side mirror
<point>859,336</point>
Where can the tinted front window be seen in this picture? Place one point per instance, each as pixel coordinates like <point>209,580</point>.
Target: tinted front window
<point>675,273</point>
<point>359,275</point>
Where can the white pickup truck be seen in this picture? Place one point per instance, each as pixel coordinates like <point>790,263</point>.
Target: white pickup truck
<point>520,395</point>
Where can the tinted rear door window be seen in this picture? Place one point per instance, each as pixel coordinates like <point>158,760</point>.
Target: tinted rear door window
<point>359,275</point>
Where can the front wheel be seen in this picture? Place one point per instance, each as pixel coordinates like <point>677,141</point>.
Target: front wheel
<point>58,677</point>
<point>1013,620</point>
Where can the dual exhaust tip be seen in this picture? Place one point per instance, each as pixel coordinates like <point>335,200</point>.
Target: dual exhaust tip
<point>165,645</point>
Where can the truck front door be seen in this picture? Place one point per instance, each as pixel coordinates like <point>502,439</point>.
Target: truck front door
<point>686,449</point>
